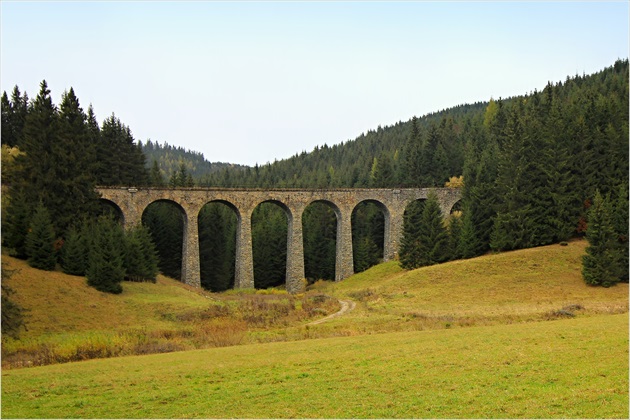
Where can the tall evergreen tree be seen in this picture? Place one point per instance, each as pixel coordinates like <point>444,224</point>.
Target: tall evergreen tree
<point>75,159</point>
<point>5,127</point>
<point>75,251</point>
<point>40,241</point>
<point>14,112</point>
<point>15,223</point>
<point>410,250</point>
<point>601,266</point>
<point>155,176</point>
<point>13,319</point>
<point>433,236</point>
<point>140,259</point>
<point>121,159</point>
<point>620,219</point>
<point>106,268</point>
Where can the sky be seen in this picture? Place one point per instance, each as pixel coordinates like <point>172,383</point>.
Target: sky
<point>252,82</point>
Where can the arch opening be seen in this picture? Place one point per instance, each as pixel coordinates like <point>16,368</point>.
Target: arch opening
<point>109,208</point>
<point>166,222</point>
<point>368,234</point>
<point>217,224</point>
<point>319,224</point>
<point>270,221</point>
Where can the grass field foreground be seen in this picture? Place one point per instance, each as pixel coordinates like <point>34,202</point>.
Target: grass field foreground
<point>572,368</point>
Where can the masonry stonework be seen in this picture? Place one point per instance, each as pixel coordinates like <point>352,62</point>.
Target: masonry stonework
<point>132,203</point>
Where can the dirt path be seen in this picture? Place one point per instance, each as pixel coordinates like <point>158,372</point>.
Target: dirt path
<point>346,306</point>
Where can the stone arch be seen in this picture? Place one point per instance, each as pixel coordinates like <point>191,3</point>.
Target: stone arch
<point>167,221</point>
<point>109,206</point>
<point>217,244</point>
<point>270,243</point>
<point>378,238</point>
<point>456,206</point>
<point>343,238</point>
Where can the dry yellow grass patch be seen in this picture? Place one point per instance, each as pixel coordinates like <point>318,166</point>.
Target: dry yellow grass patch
<point>518,286</point>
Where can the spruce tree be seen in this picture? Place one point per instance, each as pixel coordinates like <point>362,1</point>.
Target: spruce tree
<point>5,127</point>
<point>149,254</point>
<point>121,160</point>
<point>106,269</point>
<point>15,224</point>
<point>469,243</point>
<point>40,241</point>
<point>75,158</point>
<point>433,237</point>
<point>620,226</point>
<point>75,251</point>
<point>409,253</point>
<point>141,262</point>
<point>455,227</point>
<point>13,319</point>
<point>601,266</point>
<point>156,179</point>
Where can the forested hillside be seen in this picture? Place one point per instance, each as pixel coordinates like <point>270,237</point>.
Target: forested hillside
<point>170,159</point>
<point>532,167</point>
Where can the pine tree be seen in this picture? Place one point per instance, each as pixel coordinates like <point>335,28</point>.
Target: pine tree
<point>106,269</point>
<point>409,253</point>
<point>40,241</point>
<point>141,261</point>
<point>75,158</point>
<point>5,127</point>
<point>15,224</point>
<point>410,167</point>
<point>121,161</point>
<point>149,254</point>
<point>455,227</point>
<point>14,112</point>
<point>433,237</point>
<point>13,319</point>
<point>469,243</point>
<point>601,264</point>
<point>155,176</point>
<point>620,226</point>
<point>37,177</point>
<point>75,251</point>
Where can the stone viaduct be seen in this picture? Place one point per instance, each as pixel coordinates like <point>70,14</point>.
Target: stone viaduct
<point>133,201</point>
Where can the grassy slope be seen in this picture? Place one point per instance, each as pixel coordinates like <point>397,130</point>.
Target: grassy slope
<point>487,370</point>
<point>60,303</point>
<point>519,286</point>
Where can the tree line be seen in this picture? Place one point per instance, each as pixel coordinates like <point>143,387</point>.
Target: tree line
<point>533,166</point>
<point>49,185</point>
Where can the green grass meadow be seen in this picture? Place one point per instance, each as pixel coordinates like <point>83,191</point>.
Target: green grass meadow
<point>510,335</point>
<point>573,368</point>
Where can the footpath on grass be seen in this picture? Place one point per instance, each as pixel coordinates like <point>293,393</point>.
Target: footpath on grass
<point>346,306</point>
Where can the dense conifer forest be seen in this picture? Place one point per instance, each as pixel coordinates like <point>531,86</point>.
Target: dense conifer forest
<point>532,168</point>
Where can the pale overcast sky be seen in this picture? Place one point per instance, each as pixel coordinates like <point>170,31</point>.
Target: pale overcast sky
<point>248,82</point>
